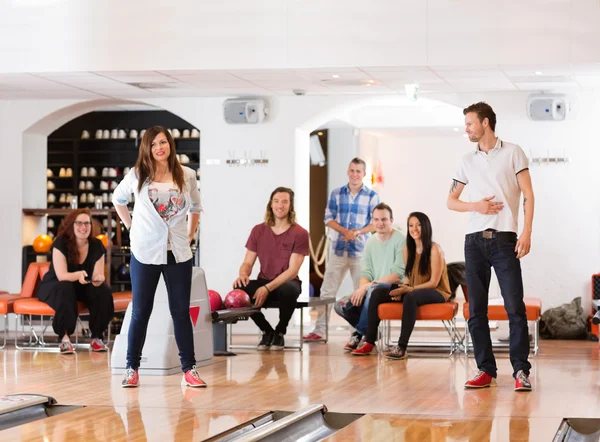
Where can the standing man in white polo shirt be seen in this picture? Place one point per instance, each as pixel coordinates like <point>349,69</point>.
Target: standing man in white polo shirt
<point>496,172</point>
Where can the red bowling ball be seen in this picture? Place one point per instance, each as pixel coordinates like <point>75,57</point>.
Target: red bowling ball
<point>237,299</point>
<point>215,300</point>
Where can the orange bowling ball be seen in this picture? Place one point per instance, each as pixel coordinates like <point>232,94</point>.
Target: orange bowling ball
<point>104,239</point>
<point>42,244</point>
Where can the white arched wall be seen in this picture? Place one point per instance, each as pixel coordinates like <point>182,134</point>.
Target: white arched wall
<point>374,112</point>
<point>233,198</point>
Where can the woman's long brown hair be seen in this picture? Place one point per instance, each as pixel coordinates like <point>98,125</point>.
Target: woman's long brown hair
<point>68,233</point>
<point>145,164</point>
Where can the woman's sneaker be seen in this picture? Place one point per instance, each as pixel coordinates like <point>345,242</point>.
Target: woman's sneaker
<point>265,342</point>
<point>365,349</point>
<point>278,342</point>
<point>66,348</point>
<point>191,378</point>
<point>97,345</point>
<point>352,343</point>
<point>131,379</point>
<point>397,352</point>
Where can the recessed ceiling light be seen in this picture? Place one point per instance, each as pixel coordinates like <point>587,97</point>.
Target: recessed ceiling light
<point>320,134</point>
<point>335,76</point>
<point>538,73</point>
<point>368,84</point>
<point>455,129</point>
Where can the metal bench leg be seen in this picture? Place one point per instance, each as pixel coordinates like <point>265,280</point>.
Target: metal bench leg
<point>536,335</point>
<point>327,323</point>
<point>302,328</point>
<point>5,331</point>
<point>467,338</point>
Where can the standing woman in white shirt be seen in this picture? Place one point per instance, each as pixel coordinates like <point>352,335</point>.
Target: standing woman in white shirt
<point>160,233</point>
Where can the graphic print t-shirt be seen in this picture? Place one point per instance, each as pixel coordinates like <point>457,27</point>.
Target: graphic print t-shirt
<point>167,200</point>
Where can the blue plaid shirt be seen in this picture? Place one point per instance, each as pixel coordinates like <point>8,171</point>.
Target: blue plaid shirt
<point>350,215</point>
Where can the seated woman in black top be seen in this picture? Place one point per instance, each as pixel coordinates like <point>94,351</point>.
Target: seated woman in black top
<point>77,274</point>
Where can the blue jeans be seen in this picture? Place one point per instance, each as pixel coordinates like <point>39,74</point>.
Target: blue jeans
<point>361,327</point>
<point>481,254</point>
<point>144,280</point>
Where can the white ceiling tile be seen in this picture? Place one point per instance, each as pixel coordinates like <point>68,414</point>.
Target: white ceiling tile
<point>393,68</point>
<point>588,80</point>
<point>126,73</point>
<point>460,73</point>
<point>586,69</point>
<point>542,70</point>
<point>546,86</point>
<point>54,75</point>
<point>339,70</point>
<point>142,78</point>
<point>406,77</point>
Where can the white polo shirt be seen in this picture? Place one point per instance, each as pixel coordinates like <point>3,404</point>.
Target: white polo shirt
<point>494,174</point>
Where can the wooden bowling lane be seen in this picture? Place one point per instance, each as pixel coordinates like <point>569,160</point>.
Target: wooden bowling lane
<point>391,394</point>
<point>389,428</point>
<point>115,424</point>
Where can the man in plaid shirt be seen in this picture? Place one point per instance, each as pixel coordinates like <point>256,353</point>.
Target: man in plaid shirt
<point>348,216</point>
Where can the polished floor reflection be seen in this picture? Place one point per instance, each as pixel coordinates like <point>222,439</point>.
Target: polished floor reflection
<point>419,399</point>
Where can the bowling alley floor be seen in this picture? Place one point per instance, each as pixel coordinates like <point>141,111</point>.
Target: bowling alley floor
<point>419,399</point>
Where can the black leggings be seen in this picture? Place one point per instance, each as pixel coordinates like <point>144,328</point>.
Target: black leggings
<point>63,297</point>
<point>284,297</point>
<point>412,301</point>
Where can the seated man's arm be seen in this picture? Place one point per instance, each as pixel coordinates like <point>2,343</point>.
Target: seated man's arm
<point>397,273</point>
<point>245,270</point>
<point>296,260</point>
<point>366,276</point>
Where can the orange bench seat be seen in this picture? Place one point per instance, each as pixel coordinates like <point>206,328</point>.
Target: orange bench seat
<point>428,312</point>
<point>533,307</point>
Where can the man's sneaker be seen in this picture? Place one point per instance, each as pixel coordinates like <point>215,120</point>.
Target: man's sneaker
<point>366,349</point>
<point>596,318</point>
<point>313,337</point>
<point>131,379</point>
<point>66,348</point>
<point>397,353</point>
<point>352,343</point>
<point>98,345</point>
<point>278,343</point>
<point>481,380</point>
<point>191,378</point>
<point>522,382</point>
<point>265,342</point>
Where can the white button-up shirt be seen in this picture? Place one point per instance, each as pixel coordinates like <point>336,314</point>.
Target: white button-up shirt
<point>150,234</point>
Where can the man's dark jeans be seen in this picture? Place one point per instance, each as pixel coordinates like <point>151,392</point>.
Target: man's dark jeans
<point>484,250</point>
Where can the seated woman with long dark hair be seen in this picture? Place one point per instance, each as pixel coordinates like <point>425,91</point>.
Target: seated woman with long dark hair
<point>77,274</point>
<point>426,282</point>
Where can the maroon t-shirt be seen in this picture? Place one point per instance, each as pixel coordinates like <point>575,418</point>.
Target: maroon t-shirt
<point>274,251</point>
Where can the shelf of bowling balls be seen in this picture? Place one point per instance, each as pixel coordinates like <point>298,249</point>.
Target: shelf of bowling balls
<point>65,211</point>
<point>105,178</point>
<point>92,140</point>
